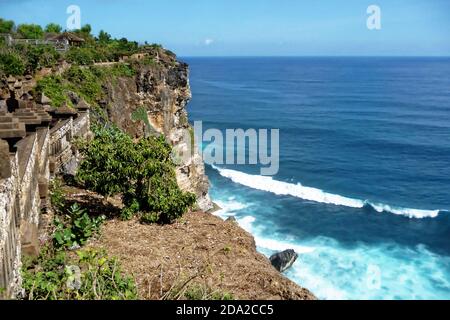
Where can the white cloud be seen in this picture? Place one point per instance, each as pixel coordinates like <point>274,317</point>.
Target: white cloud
<point>208,42</point>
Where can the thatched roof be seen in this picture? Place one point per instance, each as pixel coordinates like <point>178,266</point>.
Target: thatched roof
<point>67,35</point>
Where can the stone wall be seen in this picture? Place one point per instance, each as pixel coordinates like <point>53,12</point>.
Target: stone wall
<point>35,144</point>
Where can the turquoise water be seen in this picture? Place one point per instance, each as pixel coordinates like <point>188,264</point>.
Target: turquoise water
<point>363,190</point>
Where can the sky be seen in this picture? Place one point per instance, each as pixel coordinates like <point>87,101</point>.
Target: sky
<point>258,27</point>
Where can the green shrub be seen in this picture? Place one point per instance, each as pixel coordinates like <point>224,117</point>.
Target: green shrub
<point>54,276</point>
<point>57,196</point>
<point>122,70</point>
<point>80,56</point>
<point>75,228</point>
<point>6,26</point>
<point>39,57</point>
<point>141,172</point>
<point>150,218</point>
<point>53,28</point>
<point>30,31</point>
<point>84,82</point>
<point>54,88</point>
<point>11,63</point>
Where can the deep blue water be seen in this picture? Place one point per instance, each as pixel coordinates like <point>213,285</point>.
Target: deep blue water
<point>367,129</point>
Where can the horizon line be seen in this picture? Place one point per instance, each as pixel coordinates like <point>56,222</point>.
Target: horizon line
<point>314,56</point>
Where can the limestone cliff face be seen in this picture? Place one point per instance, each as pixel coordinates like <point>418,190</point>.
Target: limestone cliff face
<point>162,88</point>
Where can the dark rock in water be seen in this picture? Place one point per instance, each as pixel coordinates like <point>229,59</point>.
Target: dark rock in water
<point>283,260</point>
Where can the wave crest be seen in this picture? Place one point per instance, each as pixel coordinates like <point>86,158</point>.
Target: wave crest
<point>268,184</point>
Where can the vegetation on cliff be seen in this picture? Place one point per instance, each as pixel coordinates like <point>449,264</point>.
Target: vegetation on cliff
<point>60,273</point>
<point>142,172</point>
<point>85,82</point>
<point>21,59</point>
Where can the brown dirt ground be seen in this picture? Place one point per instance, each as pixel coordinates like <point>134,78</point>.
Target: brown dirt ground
<point>198,251</point>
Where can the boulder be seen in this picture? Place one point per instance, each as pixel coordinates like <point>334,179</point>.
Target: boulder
<point>74,98</point>
<point>283,260</point>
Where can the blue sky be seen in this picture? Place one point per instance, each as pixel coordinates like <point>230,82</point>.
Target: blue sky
<point>258,27</point>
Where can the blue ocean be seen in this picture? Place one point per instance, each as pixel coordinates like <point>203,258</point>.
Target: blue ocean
<point>363,190</point>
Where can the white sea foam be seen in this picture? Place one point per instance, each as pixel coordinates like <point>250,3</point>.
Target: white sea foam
<point>229,207</point>
<point>268,184</point>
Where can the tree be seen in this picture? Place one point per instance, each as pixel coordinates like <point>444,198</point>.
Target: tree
<point>6,26</point>
<point>11,64</point>
<point>86,29</point>
<point>30,31</point>
<point>141,172</point>
<point>104,37</point>
<point>53,28</point>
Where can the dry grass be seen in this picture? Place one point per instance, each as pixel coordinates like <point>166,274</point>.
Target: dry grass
<point>200,253</point>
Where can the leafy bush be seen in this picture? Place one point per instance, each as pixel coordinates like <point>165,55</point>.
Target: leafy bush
<point>53,28</point>
<point>57,196</point>
<point>30,31</point>
<point>84,82</point>
<point>53,276</point>
<point>150,218</point>
<point>81,56</point>
<point>141,172</point>
<point>54,88</point>
<point>104,37</point>
<point>122,70</point>
<point>11,63</point>
<point>39,57</point>
<point>75,228</point>
<point>6,26</point>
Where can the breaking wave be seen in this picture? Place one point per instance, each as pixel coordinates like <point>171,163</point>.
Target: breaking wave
<point>268,184</point>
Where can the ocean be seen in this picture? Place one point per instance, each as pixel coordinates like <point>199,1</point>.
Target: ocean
<point>363,190</point>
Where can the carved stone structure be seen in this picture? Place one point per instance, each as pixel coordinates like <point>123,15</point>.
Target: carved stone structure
<point>35,144</point>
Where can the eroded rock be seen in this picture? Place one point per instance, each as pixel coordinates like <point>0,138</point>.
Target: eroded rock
<point>283,260</point>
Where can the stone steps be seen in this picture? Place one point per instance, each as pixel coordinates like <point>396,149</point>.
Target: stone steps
<point>12,130</point>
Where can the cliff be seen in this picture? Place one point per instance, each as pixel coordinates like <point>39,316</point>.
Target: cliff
<point>162,89</point>
<point>200,252</point>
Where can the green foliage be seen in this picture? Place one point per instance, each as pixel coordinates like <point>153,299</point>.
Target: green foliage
<point>104,37</point>
<point>85,82</point>
<point>75,228</point>
<point>141,172</point>
<point>53,28</point>
<point>81,56</point>
<point>140,114</point>
<point>54,88</point>
<point>11,63</point>
<point>30,31</point>
<point>86,29</point>
<point>149,61</point>
<point>54,276</point>
<point>57,195</point>
<point>6,26</point>
<point>121,70</point>
<point>39,57</point>
<point>23,59</point>
<point>150,218</point>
